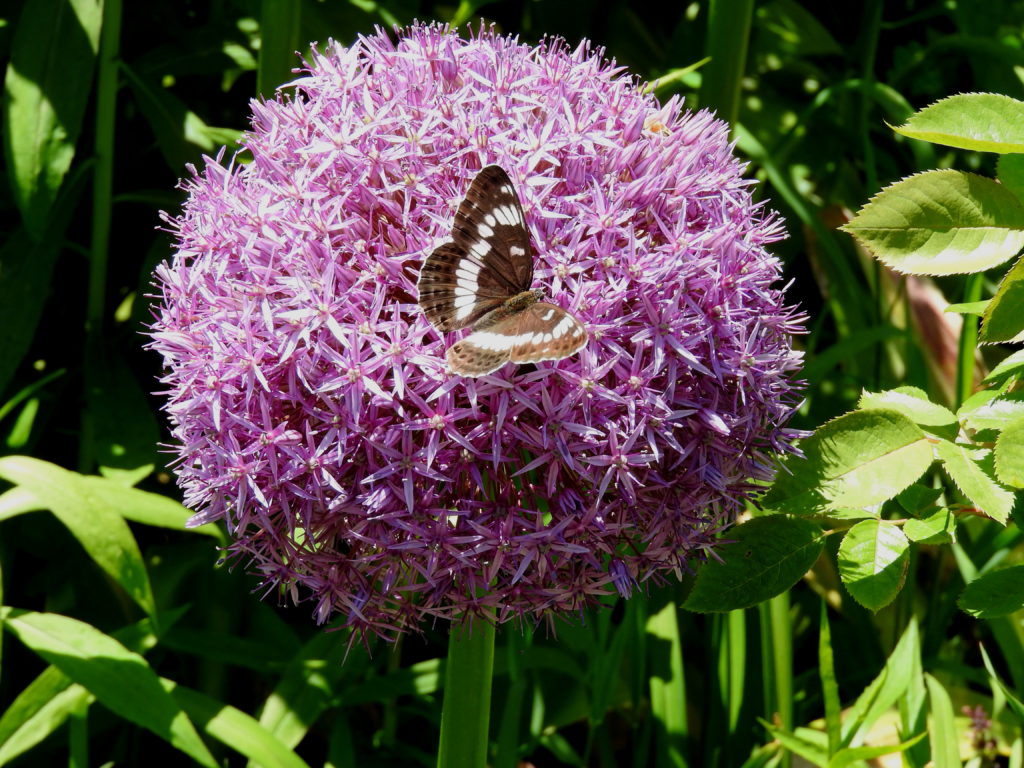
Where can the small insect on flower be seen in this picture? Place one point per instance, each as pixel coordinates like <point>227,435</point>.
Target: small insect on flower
<point>482,278</point>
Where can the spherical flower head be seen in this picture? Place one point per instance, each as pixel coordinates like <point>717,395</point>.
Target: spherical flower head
<point>309,396</point>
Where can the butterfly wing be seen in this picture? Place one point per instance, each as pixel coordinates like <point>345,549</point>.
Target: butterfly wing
<point>488,260</point>
<point>542,331</point>
<point>546,332</point>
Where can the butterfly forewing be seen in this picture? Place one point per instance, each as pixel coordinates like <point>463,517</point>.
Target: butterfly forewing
<point>542,331</point>
<point>488,260</point>
<point>490,220</point>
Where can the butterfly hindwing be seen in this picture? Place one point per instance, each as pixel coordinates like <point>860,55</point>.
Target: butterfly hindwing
<point>542,331</point>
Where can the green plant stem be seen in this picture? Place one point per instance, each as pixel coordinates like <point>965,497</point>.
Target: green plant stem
<point>968,341</point>
<point>465,713</point>
<point>728,36</point>
<point>668,686</point>
<point>777,662</point>
<point>280,22</point>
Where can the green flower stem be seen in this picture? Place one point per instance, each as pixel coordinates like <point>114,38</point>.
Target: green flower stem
<point>777,662</point>
<point>668,687</point>
<point>728,35</point>
<point>466,712</point>
<point>968,341</point>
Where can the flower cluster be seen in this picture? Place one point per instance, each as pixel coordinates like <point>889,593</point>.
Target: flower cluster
<point>309,396</point>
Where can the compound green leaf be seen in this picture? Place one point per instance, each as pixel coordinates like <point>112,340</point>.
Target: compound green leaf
<point>858,460</point>
<point>911,402</point>
<point>941,223</point>
<point>974,481</point>
<point>873,562</point>
<point>1009,454</point>
<point>765,556</point>
<point>984,122</point>
<point>1003,320</point>
<point>994,594</point>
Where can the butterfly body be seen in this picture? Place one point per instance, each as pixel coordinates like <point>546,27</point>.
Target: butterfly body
<point>482,280</point>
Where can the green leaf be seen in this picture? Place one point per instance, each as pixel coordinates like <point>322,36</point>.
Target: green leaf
<point>46,92</point>
<point>858,755</point>
<point>988,409</point>
<point>1003,321</point>
<point>997,683</point>
<point>873,562</point>
<point>974,482</point>
<point>994,593</point>
<point>970,308</point>
<point>941,223</point>
<point>100,530</point>
<point>765,557</point>
<point>911,402</point>
<point>120,679</point>
<point>918,498</point>
<point>1010,172</point>
<point>38,711</point>
<point>234,728</point>
<point>181,135</point>
<point>807,748</point>
<point>938,528</point>
<point>145,507</point>
<point>1011,365</point>
<point>858,460</point>
<point>307,687</point>
<point>1009,454</point>
<point>984,122</point>
<point>885,690</point>
<point>942,734</point>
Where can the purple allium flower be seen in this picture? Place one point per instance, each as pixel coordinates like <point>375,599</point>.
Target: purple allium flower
<point>310,395</point>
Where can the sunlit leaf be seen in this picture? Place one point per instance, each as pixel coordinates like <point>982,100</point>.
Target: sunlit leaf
<point>984,122</point>
<point>1003,320</point>
<point>941,223</point>
<point>974,481</point>
<point>873,562</point>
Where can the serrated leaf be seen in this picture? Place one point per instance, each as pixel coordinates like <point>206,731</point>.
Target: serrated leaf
<point>937,528</point>
<point>911,402</point>
<point>994,594</point>
<point>103,534</point>
<point>765,557</point>
<point>46,91</point>
<point>941,223</point>
<point>917,498</point>
<point>1011,365</point>
<point>1010,172</point>
<point>970,308</point>
<point>1009,454</point>
<point>120,679</point>
<point>1003,321</point>
<point>984,122</point>
<point>990,410</point>
<point>974,482</point>
<point>858,460</point>
<point>873,562</point>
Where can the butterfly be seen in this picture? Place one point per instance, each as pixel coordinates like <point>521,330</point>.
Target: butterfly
<point>481,280</point>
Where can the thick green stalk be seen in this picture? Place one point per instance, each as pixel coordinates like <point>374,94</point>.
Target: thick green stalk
<point>777,662</point>
<point>968,342</point>
<point>466,711</point>
<point>728,35</point>
<point>280,22</point>
<point>668,687</point>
